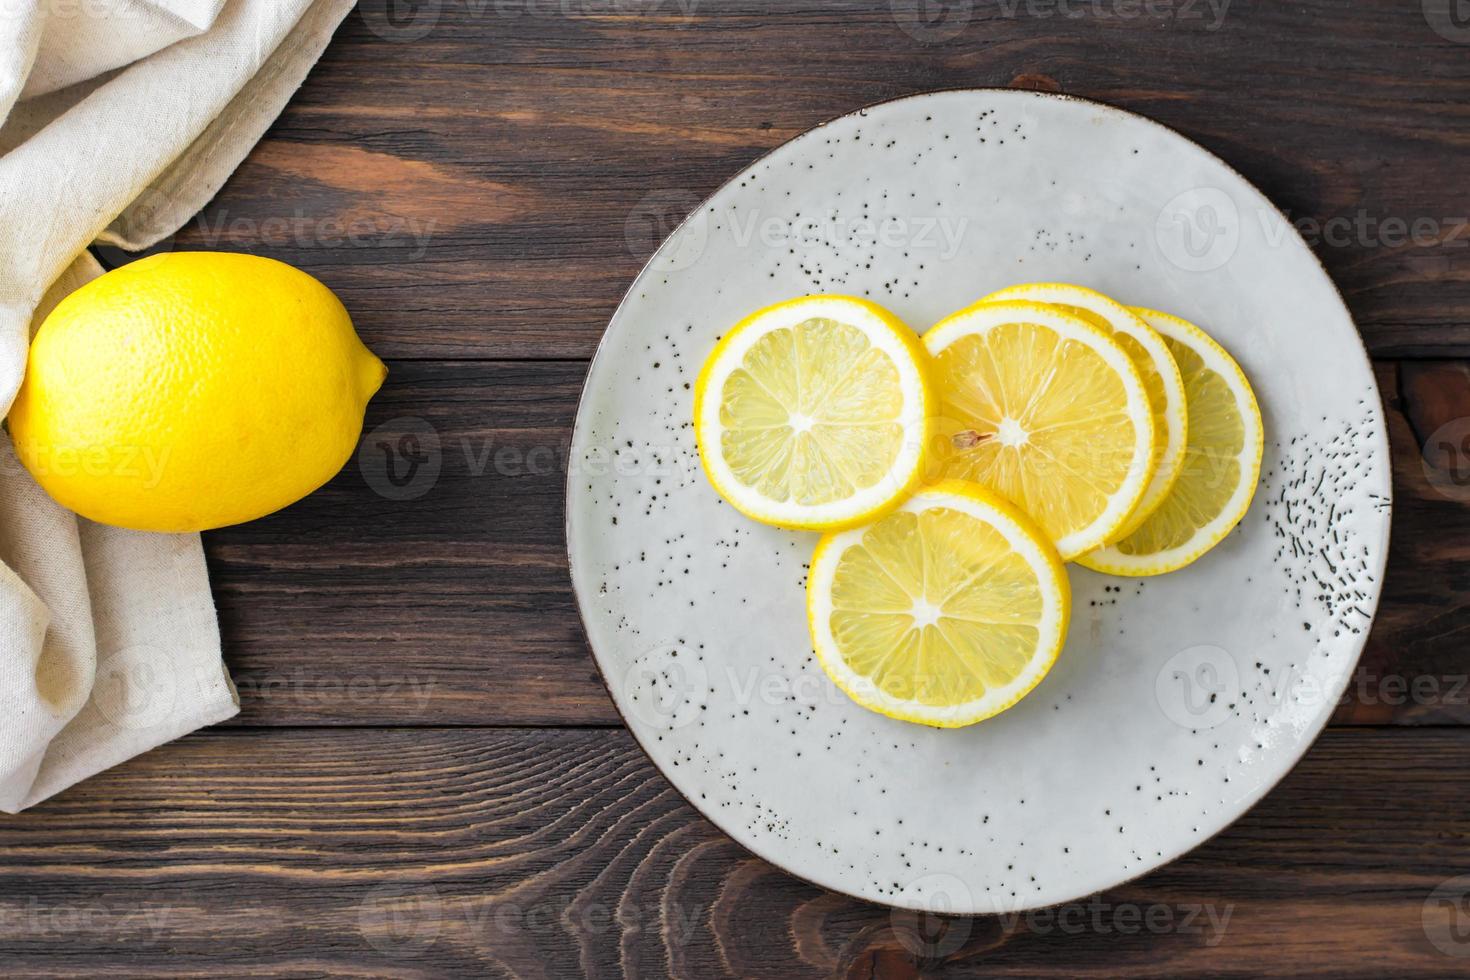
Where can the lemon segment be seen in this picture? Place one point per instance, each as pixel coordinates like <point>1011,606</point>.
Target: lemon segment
<point>944,612</point>
<point>814,413</point>
<point>1222,460</point>
<point>1047,409</point>
<point>1149,353</point>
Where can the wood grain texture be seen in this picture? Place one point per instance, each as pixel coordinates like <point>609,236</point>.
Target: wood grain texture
<point>480,180</point>
<point>563,853</point>
<point>489,189</point>
<point>1415,668</point>
<point>451,605</point>
<point>455,607</point>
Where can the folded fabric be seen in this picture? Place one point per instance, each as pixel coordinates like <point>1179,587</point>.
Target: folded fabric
<point>121,118</point>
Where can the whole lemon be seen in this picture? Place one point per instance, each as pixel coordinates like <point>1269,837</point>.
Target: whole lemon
<point>192,390</point>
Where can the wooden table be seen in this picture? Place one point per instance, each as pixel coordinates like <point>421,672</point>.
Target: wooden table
<point>427,776</point>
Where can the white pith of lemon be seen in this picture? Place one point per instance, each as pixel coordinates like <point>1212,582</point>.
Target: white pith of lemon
<point>1155,365</point>
<point>1221,466</point>
<point>944,612</point>
<point>1047,409</point>
<point>814,414</point>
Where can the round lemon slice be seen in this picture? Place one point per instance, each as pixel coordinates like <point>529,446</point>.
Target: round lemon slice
<point>1222,460</point>
<point>814,414</point>
<point>944,612</point>
<point>1150,355</point>
<point>1049,410</point>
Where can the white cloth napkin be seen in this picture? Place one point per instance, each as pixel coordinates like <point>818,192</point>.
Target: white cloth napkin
<point>119,119</point>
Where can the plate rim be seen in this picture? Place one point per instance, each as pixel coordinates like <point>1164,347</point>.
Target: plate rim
<point>1317,726</point>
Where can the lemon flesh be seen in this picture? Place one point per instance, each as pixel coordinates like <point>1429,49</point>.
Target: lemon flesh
<point>944,612</point>
<point>1222,460</point>
<point>1047,409</point>
<point>813,413</point>
<point>1150,354</point>
<point>192,390</point>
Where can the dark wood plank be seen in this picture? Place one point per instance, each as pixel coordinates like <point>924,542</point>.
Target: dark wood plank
<point>446,601</point>
<point>454,607</point>
<point>564,853</point>
<point>469,192</point>
<point>1415,668</point>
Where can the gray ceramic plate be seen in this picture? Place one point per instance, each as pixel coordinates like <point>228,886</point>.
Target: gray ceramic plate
<point>1178,700</point>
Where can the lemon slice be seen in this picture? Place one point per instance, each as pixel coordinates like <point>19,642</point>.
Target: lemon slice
<point>944,612</point>
<point>1150,355</point>
<point>814,413</point>
<point>1221,462</point>
<point>1047,409</point>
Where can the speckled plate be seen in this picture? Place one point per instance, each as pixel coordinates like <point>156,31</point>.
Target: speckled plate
<point>1178,701</point>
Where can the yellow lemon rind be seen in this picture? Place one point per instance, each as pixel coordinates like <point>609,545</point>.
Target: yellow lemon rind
<point>1174,436</point>
<point>1109,559</point>
<point>898,340</point>
<point>1025,538</point>
<point>984,316</point>
<point>192,390</point>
